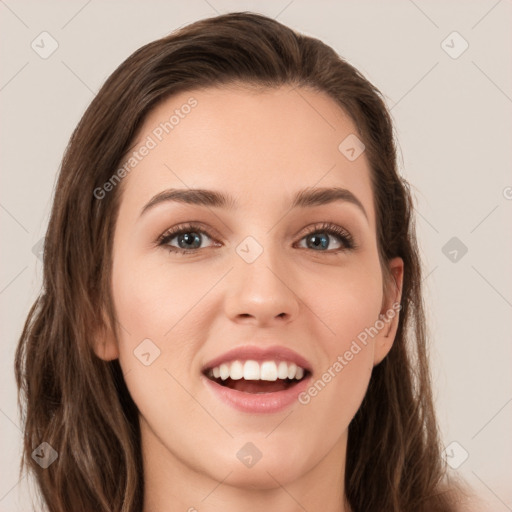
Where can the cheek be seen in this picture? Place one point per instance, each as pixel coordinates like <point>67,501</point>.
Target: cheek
<point>338,388</point>
<point>157,325</point>
<point>347,302</point>
<point>152,299</point>
<point>154,306</point>
<point>348,307</point>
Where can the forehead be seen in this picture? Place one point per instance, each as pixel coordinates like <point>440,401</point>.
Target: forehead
<point>259,145</point>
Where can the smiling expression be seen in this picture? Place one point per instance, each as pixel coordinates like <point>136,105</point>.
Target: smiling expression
<point>246,229</point>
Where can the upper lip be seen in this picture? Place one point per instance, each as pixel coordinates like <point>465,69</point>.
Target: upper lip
<point>260,354</point>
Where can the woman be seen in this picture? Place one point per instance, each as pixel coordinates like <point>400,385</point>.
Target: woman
<point>232,313</point>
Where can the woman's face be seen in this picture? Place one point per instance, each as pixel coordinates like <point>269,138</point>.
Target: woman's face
<point>267,287</point>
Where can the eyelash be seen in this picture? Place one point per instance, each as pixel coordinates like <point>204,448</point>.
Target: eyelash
<point>326,228</point>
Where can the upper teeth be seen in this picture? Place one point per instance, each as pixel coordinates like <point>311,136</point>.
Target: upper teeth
<point>252,370</point>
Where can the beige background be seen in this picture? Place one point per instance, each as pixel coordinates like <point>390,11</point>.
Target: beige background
<point>454,123</point>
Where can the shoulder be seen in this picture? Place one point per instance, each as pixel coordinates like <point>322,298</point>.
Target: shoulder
<point>468,501</point>
<point>461,497</point>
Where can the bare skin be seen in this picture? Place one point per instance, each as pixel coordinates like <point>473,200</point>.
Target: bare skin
<point>260,147</point>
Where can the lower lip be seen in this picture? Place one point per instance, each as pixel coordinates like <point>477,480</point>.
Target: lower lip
<point>257,402</point>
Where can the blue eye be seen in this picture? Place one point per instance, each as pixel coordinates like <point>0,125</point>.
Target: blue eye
<point>319,238</point>
<point>188,240</point>
<point>189,237</point>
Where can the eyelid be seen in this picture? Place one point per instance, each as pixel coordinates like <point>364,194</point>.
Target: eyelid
<point>333,229</point>
<point>330,228</point>
<point>195,226</point>
<point>323,226</point>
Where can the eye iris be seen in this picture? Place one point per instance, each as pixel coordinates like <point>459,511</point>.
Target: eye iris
<point>188,239</point>
<point>191,240</point>
<point>317,242</point>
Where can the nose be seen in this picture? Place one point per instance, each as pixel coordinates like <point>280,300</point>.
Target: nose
<point>261,293</point>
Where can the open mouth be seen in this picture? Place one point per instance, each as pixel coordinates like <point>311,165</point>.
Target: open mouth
<point>257,387</point>
<point>255,378</point>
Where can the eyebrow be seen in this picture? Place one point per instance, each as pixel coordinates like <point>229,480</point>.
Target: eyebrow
<point>305,198</point>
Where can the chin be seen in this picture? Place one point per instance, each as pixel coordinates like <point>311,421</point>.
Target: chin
<point>260,465</point>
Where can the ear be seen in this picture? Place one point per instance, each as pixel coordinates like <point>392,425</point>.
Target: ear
<point>104,340</point>
<point>390,311</point>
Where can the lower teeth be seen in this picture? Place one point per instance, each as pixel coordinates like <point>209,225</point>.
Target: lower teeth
<point>257,387</point>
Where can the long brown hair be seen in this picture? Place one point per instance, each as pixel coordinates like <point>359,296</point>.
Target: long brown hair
<point>79,404</point>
